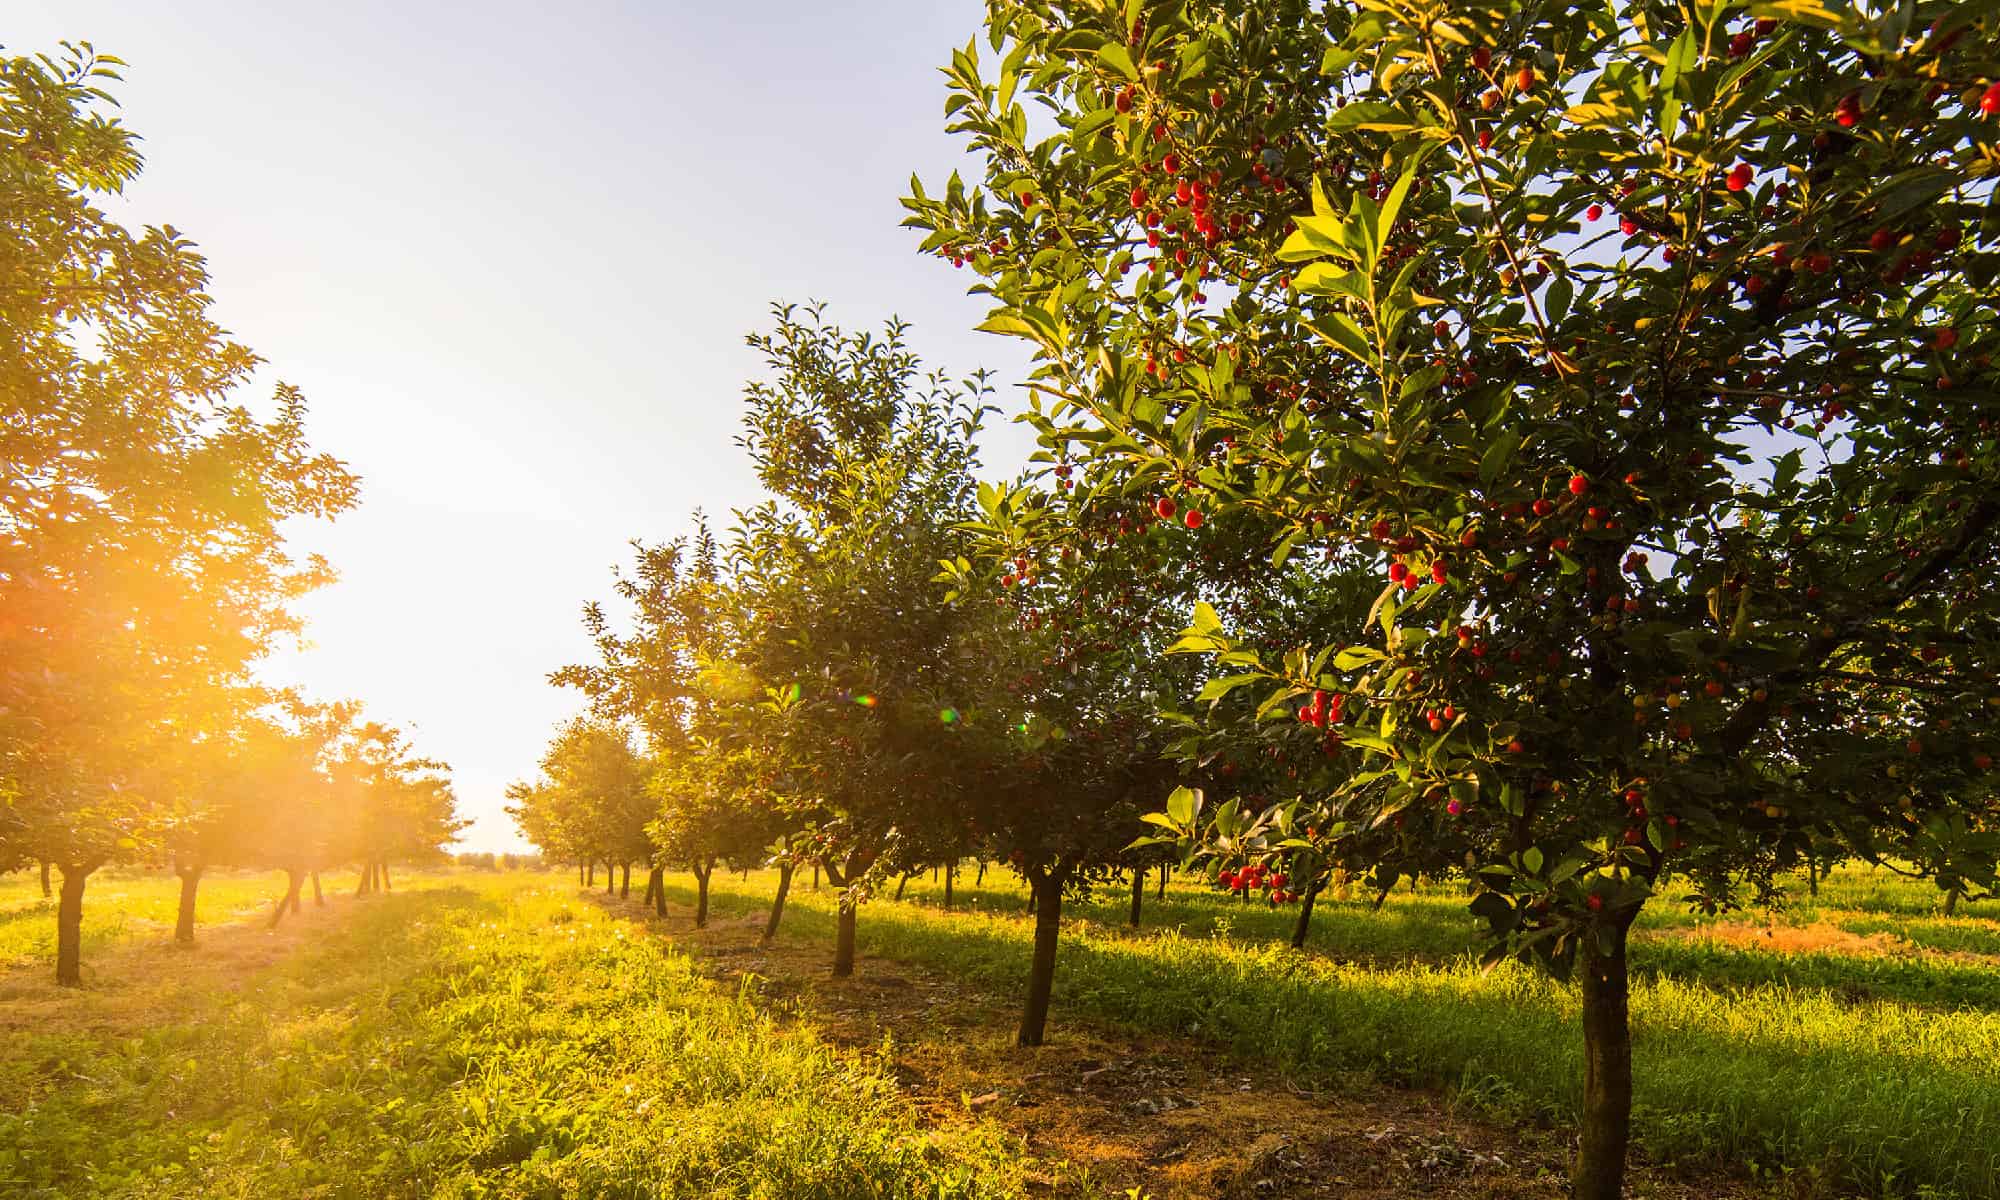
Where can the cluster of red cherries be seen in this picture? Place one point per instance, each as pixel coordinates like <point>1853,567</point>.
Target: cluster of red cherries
<point>1261,878</point>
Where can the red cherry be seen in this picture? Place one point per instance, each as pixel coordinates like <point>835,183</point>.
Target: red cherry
<point>1524,79</point>
<point>1193,519</point>
<point>1380,530</point>
<point>1482,58</point>
<point>1438,572</point>
<point>1216,98</point>
<point>1171,164</point>
<point>1578,485</point>
<point>1165,507</point>
<point>1739,177</point>
<point>1398,572</point>
<point>1596,903</point>
<point>1990,102</point>
<point>1946,338</point>
<point>1593,212</point>
<point>1138,197</point>
<point>1544,507</point>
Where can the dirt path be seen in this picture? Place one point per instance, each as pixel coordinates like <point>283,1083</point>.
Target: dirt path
<point>1168,1115</point>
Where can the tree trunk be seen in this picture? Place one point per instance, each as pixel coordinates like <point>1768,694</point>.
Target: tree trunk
<point>660,891</point>
<point>777,904</point>
<point>579,874</point>
<point>701,877</point>
<point>290,900</point>
<point>1138,893</point>
<point>979,877</point>
<point>46,893</point>
<point>590,873</point>
<point>1951,902</point>
<point>1042,968</point>
<point>1305,915</point>
<point>625,882</point>
<point>903,883</point>
<point>319,897</point>
<point>69,926</point>
<point>184,923</point>
<point>610,878</point>
<point>1607,1067</point>
<point>949,872</point>
<point>1032,898</point>
<point>1160,893</point>
<point>843,942</point>
<point>1812,876</point>
<point>382,870</point>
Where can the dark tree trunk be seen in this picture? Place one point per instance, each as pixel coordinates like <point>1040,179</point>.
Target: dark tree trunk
<point>1033,896</point>
<point>46,892</point>
<point>184,922</point>
<point>625,882</point>
<point>610,878</point>
<point>1951,902</point>
<point>659,891</point>
<point>69,925</point>
<point>319,897</point>
<point>294,880</point>
<point>579,874</point>
<point>590,873</point>
<point>979,876</point>
<point>1042,968</point>
<point>949,872</point>
<point>843,942</point>
<point>815,877</point>
<point>701,878</point>
<point>1305,916</point>
<point>777,905</point>
<point>1607,1065</point>
<point>1812,876</point>
<point>361,888</point>
<point>903,883</point>
<point>382,869</point>
<point>1160,893</point>
<point>1138,893</point>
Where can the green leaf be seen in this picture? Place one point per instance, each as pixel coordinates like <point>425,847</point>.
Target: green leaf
<point>1531,860</point>
<point>1181,806</point>
<point>1118,58</point>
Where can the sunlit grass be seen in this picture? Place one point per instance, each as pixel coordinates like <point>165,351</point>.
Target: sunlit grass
<point>1880,1073</point>
<point>470,1036</point>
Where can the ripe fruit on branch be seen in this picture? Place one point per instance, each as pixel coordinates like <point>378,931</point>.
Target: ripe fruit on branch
<point>1165,507</point>
<point>1739,177</point>
<point>1578,485</point>
<point>1193,519</point>
<point>1524,80</point>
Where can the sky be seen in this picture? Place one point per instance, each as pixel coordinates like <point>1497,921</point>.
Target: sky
<point>510,253</point>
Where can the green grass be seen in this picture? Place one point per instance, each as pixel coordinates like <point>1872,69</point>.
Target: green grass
<point>471,1036</point>
<point>1875,1074</point>
<point>502,1036</point>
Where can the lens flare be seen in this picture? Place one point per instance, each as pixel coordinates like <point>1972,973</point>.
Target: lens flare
<point>948,715</point>
<point>865,700</point>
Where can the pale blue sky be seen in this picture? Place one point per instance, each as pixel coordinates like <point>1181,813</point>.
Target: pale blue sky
<point>510,253</point>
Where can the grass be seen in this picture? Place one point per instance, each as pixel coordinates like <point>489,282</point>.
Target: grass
<point>1873,1074</point>
<point>469,1036</point>
<point>500,1036</point>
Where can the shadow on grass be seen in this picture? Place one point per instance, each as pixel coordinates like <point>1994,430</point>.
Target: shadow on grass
<point>1876,1096</point>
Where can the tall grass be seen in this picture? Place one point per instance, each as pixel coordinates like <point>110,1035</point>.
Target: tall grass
<point>482,1037</point>
<point>1755,1060</point>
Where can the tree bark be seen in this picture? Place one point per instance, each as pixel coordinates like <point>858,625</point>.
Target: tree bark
<point>590,873</point>
<point>979,877</point>
<point>319,897</point>
<point>1160,893</point>
<point>579,874</point>
<point>367,875</point>
<point>843,941</point>
<point>1305,915</point>
<point>701,877</point>
<point>69,925</point>
<point>610,878</point>
<point>294,880</point>
<point>777,904</point>
<point>625,882</point>
<point>46,892</point>
<point>1951,902</point>
<point>1138,893</point>
<point>184,922</point>
<point>382,870</point>
<point>659,891</point>
<point>949,872</point>
<point>903,883</point>
<point>1042,968</point>
<point>1607,1068</point>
